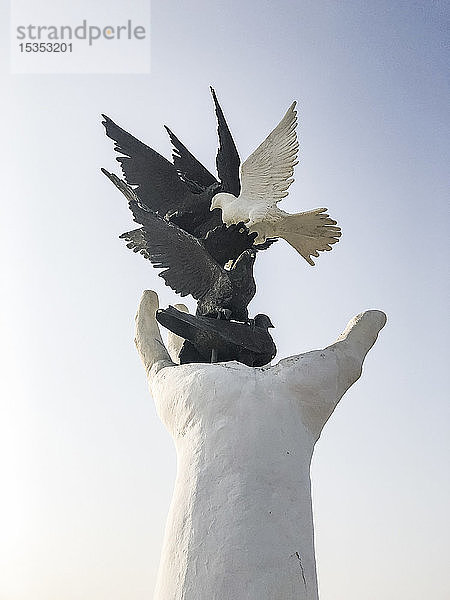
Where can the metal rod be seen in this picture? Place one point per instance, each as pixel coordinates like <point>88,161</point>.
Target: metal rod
<point>214,352</point>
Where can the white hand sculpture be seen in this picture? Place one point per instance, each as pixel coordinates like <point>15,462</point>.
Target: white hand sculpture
<point>240,524</point>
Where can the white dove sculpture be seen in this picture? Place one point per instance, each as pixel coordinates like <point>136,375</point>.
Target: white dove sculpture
<point>265,178</point>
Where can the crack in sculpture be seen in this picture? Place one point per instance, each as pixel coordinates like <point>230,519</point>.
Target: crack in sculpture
<point>302,569</point>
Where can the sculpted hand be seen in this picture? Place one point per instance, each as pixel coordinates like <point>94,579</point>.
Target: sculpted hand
<point>324,374</point>
<point>240,525</point>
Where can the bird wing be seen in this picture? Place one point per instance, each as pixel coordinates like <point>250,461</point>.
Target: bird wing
<point>191,170</point>
<point>268,172</point>
<point>227,159</point>
<point>238,334</point>
<point>189,269</point>
<point>158,184</point>
<point>140,212</point>
<point>198,226</point>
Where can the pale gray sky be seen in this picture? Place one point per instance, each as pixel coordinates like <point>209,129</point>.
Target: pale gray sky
<point>87,468</point>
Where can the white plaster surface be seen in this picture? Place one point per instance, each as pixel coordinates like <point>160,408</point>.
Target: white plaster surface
<point>240,524</point>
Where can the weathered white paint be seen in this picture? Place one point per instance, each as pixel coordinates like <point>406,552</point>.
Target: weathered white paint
<point>240,524</point>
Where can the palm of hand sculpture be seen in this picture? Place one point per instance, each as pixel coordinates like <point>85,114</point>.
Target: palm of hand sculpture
<point>265,178</point>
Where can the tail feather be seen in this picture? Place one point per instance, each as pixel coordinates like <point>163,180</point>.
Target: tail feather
<point>308,232</point>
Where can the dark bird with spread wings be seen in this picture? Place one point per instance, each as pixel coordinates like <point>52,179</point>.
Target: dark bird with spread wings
<point>196,266</point>
<point>250,344</point>
<point>182,191</point>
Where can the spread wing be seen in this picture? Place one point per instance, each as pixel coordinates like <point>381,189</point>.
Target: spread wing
<point>190,326</point>
<point>140,212</point>
<point>227,159</point>
<point>191,170</point>
<point>198,224</point>
<point>268,172</point>
<point>189,269</point>
<point>158,184</point>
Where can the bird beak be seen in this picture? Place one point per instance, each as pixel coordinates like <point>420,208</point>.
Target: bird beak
<point>270,325</point>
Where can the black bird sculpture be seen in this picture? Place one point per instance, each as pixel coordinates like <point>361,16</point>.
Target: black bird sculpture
<point>224,243</point>
<point>228,162</point>
<point>250,344</point>
<point>194,266</point>
<point>181,192</point>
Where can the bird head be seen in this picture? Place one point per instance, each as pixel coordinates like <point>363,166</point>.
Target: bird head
<point>221,199</point>
<point>263,321</point>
